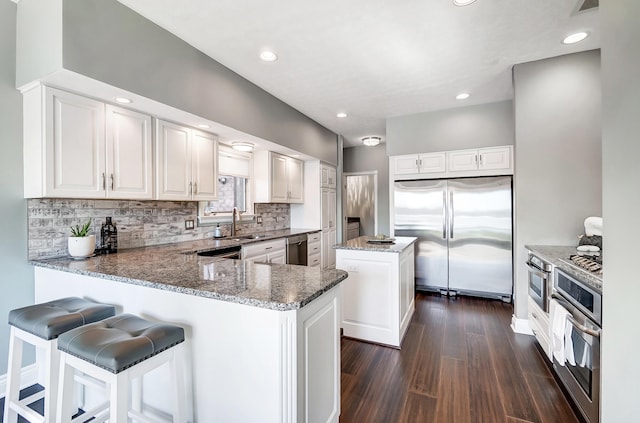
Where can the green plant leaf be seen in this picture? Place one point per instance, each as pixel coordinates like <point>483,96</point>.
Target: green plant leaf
<point>81,231</point>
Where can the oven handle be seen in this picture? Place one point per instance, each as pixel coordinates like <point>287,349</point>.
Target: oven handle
<point>572,320</point>
<point>542,273</point>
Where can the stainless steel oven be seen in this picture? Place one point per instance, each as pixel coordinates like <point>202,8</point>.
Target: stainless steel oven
<point>580,373</point>
<point>540,283</point>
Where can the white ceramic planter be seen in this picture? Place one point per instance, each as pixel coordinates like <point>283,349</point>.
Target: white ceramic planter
<point>81,247</point>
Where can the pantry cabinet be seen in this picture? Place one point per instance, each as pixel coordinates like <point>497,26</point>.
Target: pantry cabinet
<point>77,147</point>
<point>186,163</point>
<point>278,178</point>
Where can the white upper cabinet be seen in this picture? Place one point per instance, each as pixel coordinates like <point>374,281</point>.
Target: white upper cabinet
<point>457,163</point>
<point>419,163</point>
<point>186,163</point>
<point>493,158</point>
<point>76,147</point>
<point>278,178</point>
<point>328,176</point>
<point>129,154</point>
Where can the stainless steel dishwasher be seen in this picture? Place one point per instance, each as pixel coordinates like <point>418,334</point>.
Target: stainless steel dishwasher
<point>297,250</point>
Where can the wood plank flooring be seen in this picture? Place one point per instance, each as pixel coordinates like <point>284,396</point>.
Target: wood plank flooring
<point>460,363</point>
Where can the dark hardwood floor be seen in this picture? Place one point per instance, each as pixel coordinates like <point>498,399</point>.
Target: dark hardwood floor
<point>460,363</point>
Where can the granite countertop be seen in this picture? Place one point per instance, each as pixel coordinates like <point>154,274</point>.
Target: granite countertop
<point>559,257</point>
<point>361,243</point>
<point>174,267</point>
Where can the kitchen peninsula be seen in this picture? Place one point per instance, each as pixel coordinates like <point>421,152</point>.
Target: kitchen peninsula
<point>378,297</point>
<point>263,338</point>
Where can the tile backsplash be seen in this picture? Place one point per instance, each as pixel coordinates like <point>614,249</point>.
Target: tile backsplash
<point>139,223</point>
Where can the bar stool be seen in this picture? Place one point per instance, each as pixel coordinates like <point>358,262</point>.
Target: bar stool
<point>40,325</point>
<point>118,351</point>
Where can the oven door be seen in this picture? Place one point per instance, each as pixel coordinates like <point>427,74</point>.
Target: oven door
<point>538,284</point>
<point>581,371</point>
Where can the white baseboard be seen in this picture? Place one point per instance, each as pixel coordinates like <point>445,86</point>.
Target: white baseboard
<point>520,326</point>
<point>28,377</point>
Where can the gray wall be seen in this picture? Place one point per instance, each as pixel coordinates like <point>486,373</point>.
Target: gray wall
<point>16,278</point>
<point>366,159</point>
<point>106,41</point>
<point>558,172</point>
<point>621,180</point>
<point>485,125</point>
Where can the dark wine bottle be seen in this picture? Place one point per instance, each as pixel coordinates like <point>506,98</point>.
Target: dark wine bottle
<point>109,237</point>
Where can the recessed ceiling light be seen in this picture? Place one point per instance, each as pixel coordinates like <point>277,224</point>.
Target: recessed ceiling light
<point>463,96</point>
<point>204,126</point>
<point>463,2</point>
<point>242,145</point>
<point>123,100</point>
<point>268,56</point>
<point>575,38</point>
<point>341,115</point>
<point>371,141</point>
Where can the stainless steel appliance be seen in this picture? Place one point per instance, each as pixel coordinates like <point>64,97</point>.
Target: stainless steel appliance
<point>540,280</point>
<point>464,231</point>
<point>580,374</point>
<point>297,249</point>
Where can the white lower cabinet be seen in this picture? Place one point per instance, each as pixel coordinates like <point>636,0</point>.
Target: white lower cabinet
<point>274,251</point>
<point>378,296</point>
<point>539,323</point>
<point>314,249</point>
<point>328,253</point>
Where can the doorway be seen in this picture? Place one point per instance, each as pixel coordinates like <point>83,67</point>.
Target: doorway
<point>361,203</point>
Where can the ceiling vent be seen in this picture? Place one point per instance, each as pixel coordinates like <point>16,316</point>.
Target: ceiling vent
<point>584,5</point>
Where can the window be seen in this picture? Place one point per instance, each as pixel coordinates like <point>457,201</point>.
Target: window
<point>234,188</point>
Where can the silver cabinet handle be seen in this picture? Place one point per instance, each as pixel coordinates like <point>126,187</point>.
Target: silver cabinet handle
<point>535,333</point>
<point>112,182</point>
<point>104,182</point>
<point>451,215</point>
<point>268,248</point>
<point>195,187</point>
<point>190,187</point>
<point>480,159</point>
<point>535,316</point>
<point>476,158</point>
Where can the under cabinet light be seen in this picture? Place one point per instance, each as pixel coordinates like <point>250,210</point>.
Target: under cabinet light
<point>123,100</point>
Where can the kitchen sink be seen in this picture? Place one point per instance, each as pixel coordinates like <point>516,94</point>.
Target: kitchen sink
<point>245,237</point>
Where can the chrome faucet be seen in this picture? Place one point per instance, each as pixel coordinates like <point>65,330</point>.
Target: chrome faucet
<point>234,216</point>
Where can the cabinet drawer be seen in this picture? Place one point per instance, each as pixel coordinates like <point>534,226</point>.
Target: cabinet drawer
<point>314,237</point>
<point>264,247</point>
<point>313,248</point>
<point>314,260</point>
<point>540,317</point>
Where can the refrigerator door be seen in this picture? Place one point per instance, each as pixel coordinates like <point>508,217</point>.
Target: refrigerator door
<point>420,212</point>
<point>480,242</point>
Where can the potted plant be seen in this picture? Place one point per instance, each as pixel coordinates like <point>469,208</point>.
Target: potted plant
<point>81,244</point>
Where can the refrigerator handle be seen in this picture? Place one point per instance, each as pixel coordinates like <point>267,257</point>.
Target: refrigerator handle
<point>444,214</point>
<point>450,214</point>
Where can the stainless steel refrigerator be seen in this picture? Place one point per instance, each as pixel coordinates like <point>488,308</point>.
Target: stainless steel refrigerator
<point>464,231</point>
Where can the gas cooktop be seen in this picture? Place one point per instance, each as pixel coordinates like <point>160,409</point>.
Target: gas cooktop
<point>590,263</point>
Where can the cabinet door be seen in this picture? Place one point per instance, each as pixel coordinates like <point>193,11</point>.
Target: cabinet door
<point>204,174</point>
<point>295,178</point>
<point>326,215</point>
<point>279,257</point>
<point>495,158</point>
<point>332,212</point>
<point>406,164</point>
<point>259,258</point>
<point>333,175</point>
<point>462,160</point>
<point>75,146</point>
<point>129,159</point>
<point>279,184</point>
<point>328,253</point>
<point>173,162</point>
<point>433,163</point>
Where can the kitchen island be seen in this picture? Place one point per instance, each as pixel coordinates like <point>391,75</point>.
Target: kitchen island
<point>378,297</point>
<point>263,338</point>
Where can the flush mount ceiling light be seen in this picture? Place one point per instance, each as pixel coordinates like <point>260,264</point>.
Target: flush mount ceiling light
<point>463,96</point>
<point>463,2</point>
<point>268,56</point>
<point>341,115</point>
<point>123,100</point>
<point>242,145</point>
<point>575,38</point>
<point>371,141</point>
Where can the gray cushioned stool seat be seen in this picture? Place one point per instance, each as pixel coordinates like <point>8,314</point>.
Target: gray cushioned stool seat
<point>120,342</point>
<point>49,320</point>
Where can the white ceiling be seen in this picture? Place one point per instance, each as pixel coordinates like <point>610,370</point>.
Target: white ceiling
<point>375,59</point>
